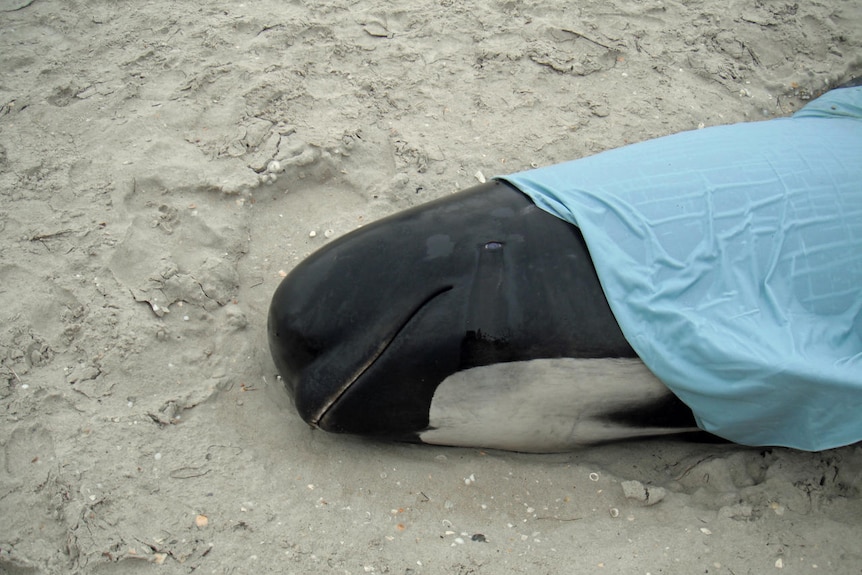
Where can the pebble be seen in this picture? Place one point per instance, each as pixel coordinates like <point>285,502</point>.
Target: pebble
<point>639,492</point>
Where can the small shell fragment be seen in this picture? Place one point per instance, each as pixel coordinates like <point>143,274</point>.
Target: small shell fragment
<point>201,521</point>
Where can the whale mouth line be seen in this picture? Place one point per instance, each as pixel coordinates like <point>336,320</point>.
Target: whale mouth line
<point>320,413</point>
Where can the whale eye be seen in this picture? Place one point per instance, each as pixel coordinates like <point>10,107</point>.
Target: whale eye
<point>493,246</point>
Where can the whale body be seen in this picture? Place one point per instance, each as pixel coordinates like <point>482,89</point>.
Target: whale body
<point>709,280</point>
<point>478,311</point>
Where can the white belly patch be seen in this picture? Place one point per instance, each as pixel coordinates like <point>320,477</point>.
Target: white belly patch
<point>542,405</point>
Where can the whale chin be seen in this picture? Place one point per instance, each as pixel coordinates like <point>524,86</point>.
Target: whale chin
<point>334,414</point>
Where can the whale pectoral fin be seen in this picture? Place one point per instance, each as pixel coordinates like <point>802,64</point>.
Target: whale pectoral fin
<point>548,405</point>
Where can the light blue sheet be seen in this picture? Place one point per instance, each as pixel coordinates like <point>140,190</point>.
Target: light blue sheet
<point>732,259</point>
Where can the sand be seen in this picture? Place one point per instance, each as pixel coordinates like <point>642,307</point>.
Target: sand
<point>144,229</point>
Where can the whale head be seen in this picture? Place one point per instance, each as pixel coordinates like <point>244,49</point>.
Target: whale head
<point>364,330</point>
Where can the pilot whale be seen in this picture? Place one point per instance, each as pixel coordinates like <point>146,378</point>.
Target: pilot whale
<point>709,280</point>
<point>473,320</point>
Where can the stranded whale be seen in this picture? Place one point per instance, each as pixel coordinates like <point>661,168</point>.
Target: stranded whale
<point>365,331</point>
<point>711,279</point>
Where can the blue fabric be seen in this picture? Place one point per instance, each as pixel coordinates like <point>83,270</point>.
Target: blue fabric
<point>732,259</point>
